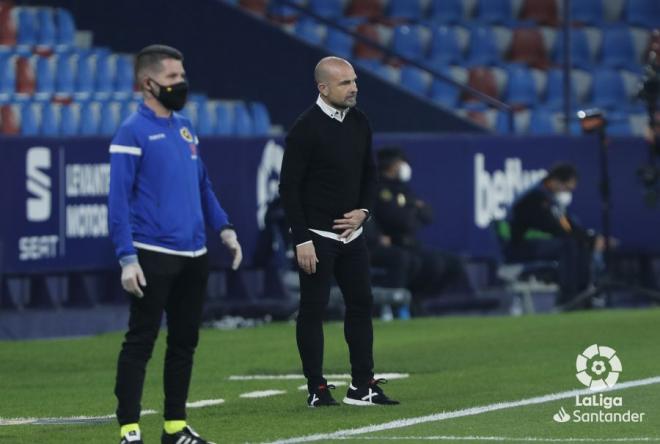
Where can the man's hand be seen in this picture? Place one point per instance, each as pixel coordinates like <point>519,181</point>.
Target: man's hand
<point>351,222</point>
<point>306,255</point>
<point>132,278</point>
<point>230,240</point>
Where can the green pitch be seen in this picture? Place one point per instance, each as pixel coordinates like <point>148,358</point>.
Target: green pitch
<point>454,364</point>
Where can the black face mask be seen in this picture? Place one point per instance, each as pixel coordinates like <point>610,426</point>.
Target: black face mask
<point>172,97</point>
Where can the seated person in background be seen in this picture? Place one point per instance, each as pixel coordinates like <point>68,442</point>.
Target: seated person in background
<point>541,229</point>
<point>398,215</point>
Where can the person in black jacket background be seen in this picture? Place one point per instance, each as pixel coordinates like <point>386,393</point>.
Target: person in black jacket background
<point>326,185</point>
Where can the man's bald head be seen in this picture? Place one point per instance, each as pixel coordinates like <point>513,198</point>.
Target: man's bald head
<point>329,66</point>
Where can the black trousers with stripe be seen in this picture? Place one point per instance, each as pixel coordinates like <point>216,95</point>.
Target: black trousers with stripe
<point>348,264</point>
<point>176,286</point>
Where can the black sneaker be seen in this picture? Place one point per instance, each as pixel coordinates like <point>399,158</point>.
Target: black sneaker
<point>321,396</point>
<point>131,438</point>
<point>185,436</point>
<point>368,394</point>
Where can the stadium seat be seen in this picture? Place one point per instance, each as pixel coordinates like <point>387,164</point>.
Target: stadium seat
<point>444,92</point>
<point>7,27</point>
<point>330,9</point>
<point>65,73</point>
<point>283,13</point>
<point>124,74</point>
<point>205,120</point>
<point>447,11</point>
<point>554,91</point>
<point>50,120</point>
<point>410,41</point>
<point>339,43</point>
<point>10,120</point>
<point>261,118</point>
<point>495,11</point>
<point>521,121</point>
<point>66,28</point>
<point>254,6</point>
<point>618,124</point>
<point>483,49</point>
<point>224,119</point>
<point>25,76</point>
<point>405,9</point>
<point>608,90</point>
<point>30,117</point>
<point>126,109</point>
<point>587,12</point>
<point>86,67</point>
<point>365,51</point>
<point>618,48</point>
<point>242,120</point>
<point>580,52</point>
<point>446,45</point>
<point>105,73</point>
<point>527,46</point>
<point>109,118</point>
<point>521,87</point>
<point>90,118</point>
<point>483,80</point>
<point>46,34</point>
<point>27,26</point>
<point>368,9</point>
<point>542,122</point>
<point>70,120</point>
<point>7,74</point>
<point>310,30</point>
<point>415,80</point>
<point>45,68</point>
<point>543,12</point>
<point>644,13</point>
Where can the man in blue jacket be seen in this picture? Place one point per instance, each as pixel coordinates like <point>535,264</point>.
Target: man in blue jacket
<point>160,201</point>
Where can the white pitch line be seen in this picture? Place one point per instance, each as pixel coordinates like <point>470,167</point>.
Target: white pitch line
<point>495,438</point>
<point>204,403</point>
<point>397,424</point>
<point>64,419</point>
<point>296,376</point>
<point>262,393</point>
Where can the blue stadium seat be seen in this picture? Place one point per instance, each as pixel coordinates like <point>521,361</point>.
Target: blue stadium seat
<point>105,78</point>
<point>280,11</point>
<point>50,120</point>
<point>444,92</point>
<point>445,46</point>
<point>331,9</point>
<point>409,41</point>
<point>415,80</point>
<point>483,49</point>
<point>109,118</point>
<point>618,48</point>
<point>542,123</point>
<point>405,9</point>
<point>447,11</point>
<point>27,27</point>
<point>260,118</point>
<point>224,119</point>
<point>46,28</point>
<point>45,73</point>
<point>554,90</point>
<point>124,74</point>
<point>127,108</point>
<point>89,118</point>
<point>85,80</point>
<point>608,90</point>
<point>30,116</point>
<point>66,27</point>
<point>7,74</point>
<point>588,12</point>
<point>618,124</point>
<point>495,11</point>
<point>242,120</point>
<point>70,120</point>
<point>643,13</point>
<point>339,43</point>
<point>205,120</point>
<point>64,74</point>
<point>580,52</point>
<point>521,87</point>
<point>310,31</point>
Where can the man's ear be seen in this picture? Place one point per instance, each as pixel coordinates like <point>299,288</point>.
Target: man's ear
<point>323,89</point>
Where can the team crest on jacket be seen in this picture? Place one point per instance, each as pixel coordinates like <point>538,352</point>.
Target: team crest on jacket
<point>185,133</point>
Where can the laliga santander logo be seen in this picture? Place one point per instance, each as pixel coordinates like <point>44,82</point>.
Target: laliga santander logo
<point>598,367</point>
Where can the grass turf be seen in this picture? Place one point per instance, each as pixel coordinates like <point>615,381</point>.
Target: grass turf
<point>454,363</point>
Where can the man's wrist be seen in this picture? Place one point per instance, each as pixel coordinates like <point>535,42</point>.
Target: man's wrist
<point>128,260</point>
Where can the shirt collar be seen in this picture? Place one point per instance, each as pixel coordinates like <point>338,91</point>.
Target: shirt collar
<point>149,113</point>
<point>330,111</point>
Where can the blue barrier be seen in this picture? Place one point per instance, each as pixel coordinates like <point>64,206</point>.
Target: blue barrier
<point>54,209</point>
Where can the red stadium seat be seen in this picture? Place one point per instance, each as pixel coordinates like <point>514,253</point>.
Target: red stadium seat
<point>9,120</point>
<point>543,12</point>
<point>483,80</point>
<point>7,25</point>
<point>370,9</point>
<point>363,50</point>
<point>25,78</point>
<point>255,6</point>
<point>527,46</point>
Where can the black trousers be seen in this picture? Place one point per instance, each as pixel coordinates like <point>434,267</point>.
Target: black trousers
<point>349,265</point>
<point>175,285</point>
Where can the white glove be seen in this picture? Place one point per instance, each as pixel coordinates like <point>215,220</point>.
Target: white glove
<point>230,240</point>
<point>132,278</point>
